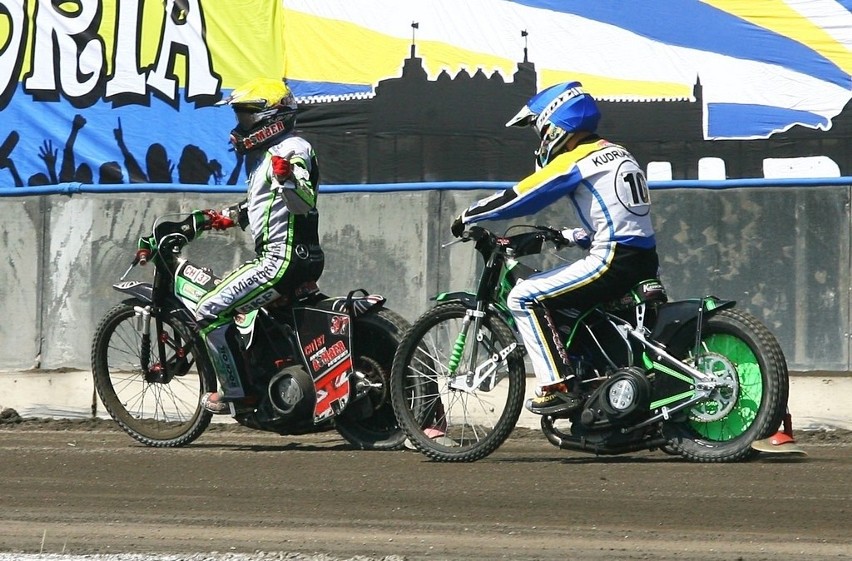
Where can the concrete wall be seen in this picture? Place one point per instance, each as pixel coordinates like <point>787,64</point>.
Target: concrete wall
<point>782,252</point>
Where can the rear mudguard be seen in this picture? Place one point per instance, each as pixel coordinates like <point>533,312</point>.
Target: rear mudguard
<point>353,305</point>
<point>676,321</point>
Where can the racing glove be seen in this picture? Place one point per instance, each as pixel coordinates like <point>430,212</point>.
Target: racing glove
<point>145,247</point>
<point>458,226</point>
<point>576,237</point>
<point>282,169</point>
<point>216,220</point>
<point>238,213</point>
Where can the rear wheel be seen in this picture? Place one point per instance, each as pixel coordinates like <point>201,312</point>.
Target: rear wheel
<point>154,399</point>
<point>369,422</point>
<point>738,349</point>
<point>450,411</point>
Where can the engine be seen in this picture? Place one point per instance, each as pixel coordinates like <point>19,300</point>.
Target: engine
<point>291,393</point>
<point>619,398</point>
<point>286,405</point>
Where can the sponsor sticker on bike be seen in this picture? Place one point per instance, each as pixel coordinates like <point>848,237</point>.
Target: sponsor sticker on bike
<point>325,342</point>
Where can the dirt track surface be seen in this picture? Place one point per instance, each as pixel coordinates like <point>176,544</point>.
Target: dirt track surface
<point>82,487</point>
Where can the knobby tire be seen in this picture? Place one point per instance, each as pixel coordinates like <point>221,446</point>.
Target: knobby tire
<point>762,401</point>
<point>445,423</point>
<point>370,423</point>
<point>156,413</point>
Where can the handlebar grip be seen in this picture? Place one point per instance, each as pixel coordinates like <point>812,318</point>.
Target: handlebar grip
<point>142,257</point>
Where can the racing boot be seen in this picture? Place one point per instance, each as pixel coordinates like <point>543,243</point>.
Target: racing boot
<point>212,403</point>
<point>227,365</point>
<point>782,442</point>
<point>556,400</point>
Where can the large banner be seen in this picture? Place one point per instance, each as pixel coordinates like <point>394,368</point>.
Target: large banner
<point>109,91</point>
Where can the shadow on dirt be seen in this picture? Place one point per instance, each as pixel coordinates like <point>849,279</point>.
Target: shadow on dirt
<point>11,420</point>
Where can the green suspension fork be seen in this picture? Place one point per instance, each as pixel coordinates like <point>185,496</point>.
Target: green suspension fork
<point>461,340</point>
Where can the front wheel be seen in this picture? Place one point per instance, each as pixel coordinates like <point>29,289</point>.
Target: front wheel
<point>368,422</point>
<point>737,348</point>
<point>457,393</point>
<point>153,398</point>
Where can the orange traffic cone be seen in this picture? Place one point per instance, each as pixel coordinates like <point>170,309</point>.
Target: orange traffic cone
<point>782,442</point>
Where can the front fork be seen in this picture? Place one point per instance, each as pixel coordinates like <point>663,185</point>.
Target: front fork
<point>160,371</point>
<point>461,340</point>
<point>143,328</point>
<point>474,375</point>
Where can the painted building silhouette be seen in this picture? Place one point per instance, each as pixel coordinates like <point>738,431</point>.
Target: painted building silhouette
<point>453,129</point>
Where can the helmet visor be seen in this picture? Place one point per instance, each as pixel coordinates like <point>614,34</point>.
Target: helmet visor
<point>246,120</point>
<point>523,118</point>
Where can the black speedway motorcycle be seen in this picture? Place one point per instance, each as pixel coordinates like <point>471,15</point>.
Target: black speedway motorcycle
<point>309,362</point>
<point>698,378</point>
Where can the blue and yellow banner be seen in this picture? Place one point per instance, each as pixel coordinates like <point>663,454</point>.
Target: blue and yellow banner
<point>765,65</point>
<point>101,91</point>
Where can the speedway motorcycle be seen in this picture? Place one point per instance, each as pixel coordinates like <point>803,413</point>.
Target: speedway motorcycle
<point>698,378</point>
<point>309,362</point>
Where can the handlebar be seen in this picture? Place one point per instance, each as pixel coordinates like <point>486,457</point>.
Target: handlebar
<point>169,237</point>
<point>524,243</point>
<point>545,233</point>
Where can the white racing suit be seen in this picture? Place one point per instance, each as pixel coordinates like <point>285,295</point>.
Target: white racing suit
<point>284,223</point>
<point>609,193</point>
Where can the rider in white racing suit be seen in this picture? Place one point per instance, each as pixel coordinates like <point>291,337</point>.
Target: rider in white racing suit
<point>609,193</point>
<point>280,210</point>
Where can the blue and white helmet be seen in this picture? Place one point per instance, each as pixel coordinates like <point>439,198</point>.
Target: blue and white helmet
<point>556,113</point>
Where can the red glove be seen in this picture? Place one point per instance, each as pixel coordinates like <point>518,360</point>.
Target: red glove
<point>281,168</point>
<point>217,220</point>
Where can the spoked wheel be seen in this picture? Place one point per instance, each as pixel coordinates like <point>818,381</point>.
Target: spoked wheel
<point>747,361</point>
<point>453,409</point>
<point>154,399</point>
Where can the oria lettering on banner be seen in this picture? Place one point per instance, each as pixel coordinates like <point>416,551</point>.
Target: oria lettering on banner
<point>69,58</point>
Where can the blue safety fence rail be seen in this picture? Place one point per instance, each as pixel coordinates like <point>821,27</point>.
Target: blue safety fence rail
<point>79,188</point>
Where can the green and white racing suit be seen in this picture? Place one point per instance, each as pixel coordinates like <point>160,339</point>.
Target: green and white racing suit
<point>283,220</point>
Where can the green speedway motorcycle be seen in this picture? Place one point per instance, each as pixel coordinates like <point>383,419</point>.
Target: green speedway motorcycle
<point>698,378</point>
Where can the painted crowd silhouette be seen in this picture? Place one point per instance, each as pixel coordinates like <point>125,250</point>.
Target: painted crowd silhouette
<point>193,167</point>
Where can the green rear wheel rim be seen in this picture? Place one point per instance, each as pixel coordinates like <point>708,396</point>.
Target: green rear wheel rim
<point>750,396</point>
